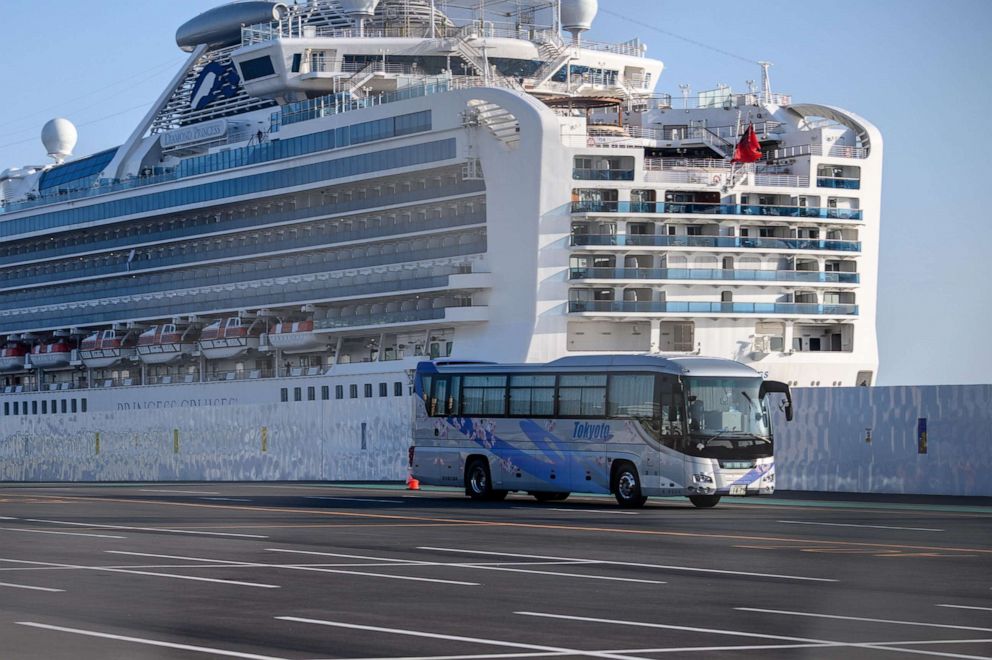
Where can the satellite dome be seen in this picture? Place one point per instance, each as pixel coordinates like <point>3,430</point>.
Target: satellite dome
<point>577,15</point>
<point>59,137</point>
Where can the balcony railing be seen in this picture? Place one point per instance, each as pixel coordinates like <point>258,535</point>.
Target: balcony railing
<point>602,175</point>
<point>674,208</point>
<point>722,274</point>
<point>837,182</point>
<point>689,307</point>
<point>733,242</point>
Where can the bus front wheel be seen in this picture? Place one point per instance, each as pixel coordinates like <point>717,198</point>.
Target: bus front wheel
<point>479,483</point>
<point>704,501</point>
<point>626,486</point>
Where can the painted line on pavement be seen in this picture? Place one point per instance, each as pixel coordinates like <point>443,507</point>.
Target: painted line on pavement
<point>351,499</point>
<point>47,531</point>
<point>634,564</point>
<point>827,524</point>
<point>458,638</point>
<point>149,529</point>
<point>966,607</point>
<point>180,492</point>
<point>150,642</point>
<point>226,499</point>
<point>858,618</point>
<point>149,573</point>
<point>27,586</point>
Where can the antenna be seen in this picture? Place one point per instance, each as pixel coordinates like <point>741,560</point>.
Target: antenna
<point>685,94</point>
<point>766,83</point>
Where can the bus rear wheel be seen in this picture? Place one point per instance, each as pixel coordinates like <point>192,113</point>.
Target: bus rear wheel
<point>704,501</point>
<point>550,497</point>
<point>479,483</point>
<point>626,486</point>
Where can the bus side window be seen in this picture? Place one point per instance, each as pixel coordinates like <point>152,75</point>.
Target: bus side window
<point>452,405</point>
<point>440,399</point>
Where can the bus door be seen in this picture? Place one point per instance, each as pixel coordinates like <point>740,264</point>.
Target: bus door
<point>672,464</point>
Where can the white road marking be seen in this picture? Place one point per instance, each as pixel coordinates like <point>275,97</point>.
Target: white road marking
<point>7,518</point>
<point>151,642</point>
<point>149,529</point>
<point>26,586</point>
<point>967,607</point>
<point>149,573</point>
<point>181,492</point>
<point>226,499</point>
<point>549,654</point>
<point>297,567</point>
<point>45,531</point>
<point>471,565</point>
<point>352,499</point>
<point>826,524</point>
<point>635,564</point>
<point>458,638</point>
<point>858,618</point>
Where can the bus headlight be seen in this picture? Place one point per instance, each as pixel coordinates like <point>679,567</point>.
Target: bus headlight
<point>702,478</point>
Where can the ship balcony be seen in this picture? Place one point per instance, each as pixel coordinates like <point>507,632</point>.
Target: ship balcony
<point>459,312</point>
<point>613,308</point>
<point>712,274</point>
<point>593,241</point>
<point>596,207</point>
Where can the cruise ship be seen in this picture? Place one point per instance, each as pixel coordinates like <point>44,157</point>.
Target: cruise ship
<point>328,192</point>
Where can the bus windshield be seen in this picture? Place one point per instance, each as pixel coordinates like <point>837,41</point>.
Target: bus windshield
<point>727,419</point>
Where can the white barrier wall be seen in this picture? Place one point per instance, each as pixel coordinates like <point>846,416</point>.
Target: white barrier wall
<point>825,447</point>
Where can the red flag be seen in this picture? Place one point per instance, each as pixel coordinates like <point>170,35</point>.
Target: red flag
<point>748,149</point>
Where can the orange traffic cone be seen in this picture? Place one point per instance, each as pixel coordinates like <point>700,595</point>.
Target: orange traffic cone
<point>411,483</point>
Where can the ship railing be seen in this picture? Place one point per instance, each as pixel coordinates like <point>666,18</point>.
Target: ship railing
<point>835,151</point>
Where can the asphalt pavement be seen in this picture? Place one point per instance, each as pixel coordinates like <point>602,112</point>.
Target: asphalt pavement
<point>214,570</point>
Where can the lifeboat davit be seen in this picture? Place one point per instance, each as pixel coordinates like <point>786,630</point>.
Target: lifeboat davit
<point>162,343</point>
<point>296,337</point>
<point>227,338</point>
<point>104,348</point>
<point>12,357</point>
<point>51,355</point>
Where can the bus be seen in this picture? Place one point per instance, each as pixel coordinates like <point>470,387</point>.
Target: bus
<point>631,425</point>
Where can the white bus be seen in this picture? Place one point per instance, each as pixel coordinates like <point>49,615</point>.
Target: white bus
<point>631,425</point>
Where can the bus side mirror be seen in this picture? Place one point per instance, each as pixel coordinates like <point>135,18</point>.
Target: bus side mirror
<point>778,387</point>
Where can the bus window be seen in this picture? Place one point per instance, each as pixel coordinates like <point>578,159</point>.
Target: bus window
<point>582,395</point>
<point>484,395</point>
<point>632,395</point>
<point>669,394</point>
<point>532,396</point>
<point>439,401</point>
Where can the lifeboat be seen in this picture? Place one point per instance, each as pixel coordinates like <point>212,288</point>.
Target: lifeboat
<point>227,338</point>
<point>103,348</point>
<point>297,337</point>
<point>51,355</point>
<point>162,343</point>
<point>12,356</point>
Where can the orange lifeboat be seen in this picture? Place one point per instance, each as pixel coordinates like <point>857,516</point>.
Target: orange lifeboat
<point>162,343</point>
<point>297,337</point>
<point>12,356</point>
<point>228,337</point>
<point>51,355</point>
<point>103,348</point>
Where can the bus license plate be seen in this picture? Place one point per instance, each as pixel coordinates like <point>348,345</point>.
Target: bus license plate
<point>738,490</point>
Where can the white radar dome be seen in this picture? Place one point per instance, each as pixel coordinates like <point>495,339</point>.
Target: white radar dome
<point>59,137</point>
<point>577,15</point>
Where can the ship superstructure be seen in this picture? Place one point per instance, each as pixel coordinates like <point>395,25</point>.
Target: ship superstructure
<point>339,188</point>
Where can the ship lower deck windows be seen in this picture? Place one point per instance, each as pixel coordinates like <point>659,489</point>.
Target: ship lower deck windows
<point>397,388</point>
<point>339,391</point>
<point>353,391</point>
<point>284,394</point>
<point>325,392</point>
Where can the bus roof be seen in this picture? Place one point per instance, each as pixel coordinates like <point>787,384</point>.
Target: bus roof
<point>686,366</point>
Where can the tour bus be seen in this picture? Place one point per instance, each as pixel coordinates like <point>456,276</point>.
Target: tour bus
<point>631,425</point>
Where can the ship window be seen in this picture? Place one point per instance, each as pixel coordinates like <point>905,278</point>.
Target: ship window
<point>83,405</point>
<point>284,394</point>
<point>397,388</point>
<point>65,407</point>
<point>297,394</point>
<point>383,389</point>
<point>44,407</point>
<point>339,391</point>
<point>17,408</point>
<point>73,402</point>
<point>297,59</point>
<point>368,390</point>
<point>353,391</point>
<point>6,407</point>
<point>55,406</point>
<point>311,394</point>
<point>258,67</point>
<point>325,392</point>
<point>34,407</point>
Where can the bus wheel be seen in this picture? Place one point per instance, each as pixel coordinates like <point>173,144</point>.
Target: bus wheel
<point>550,497</point>
<point>479,483</point>
<point>704,501</point>
<point>626,486</point>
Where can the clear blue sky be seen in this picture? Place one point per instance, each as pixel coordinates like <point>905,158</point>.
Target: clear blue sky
<point>919,70</point>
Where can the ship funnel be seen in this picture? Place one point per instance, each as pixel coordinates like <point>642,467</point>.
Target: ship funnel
<point>577,16</point>
<point>358,11</point>
<point>59,137</point>
<point>221,26</point>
